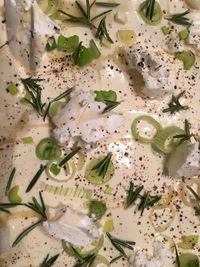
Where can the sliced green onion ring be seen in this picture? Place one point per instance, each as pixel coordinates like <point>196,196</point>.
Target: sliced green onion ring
<point>157,13</point>
<point>150,120</point>
<point>162,142</point>
<point>61,174</point>
<point>47,149</point>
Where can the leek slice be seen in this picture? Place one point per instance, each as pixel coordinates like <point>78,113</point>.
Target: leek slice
<point>188,260</point>
<point>162,141</point>
<point>157,13</point>
<point>47,149</point>
<point>13,195</point>
<point>187,57</point>
<point>188,242</point>
<point>150,120</point>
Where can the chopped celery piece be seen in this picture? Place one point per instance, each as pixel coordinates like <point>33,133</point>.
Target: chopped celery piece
<point>127,37</point>
<point>94,49</point>
<point>102,96</point>
<point>27,140</point>
<point>47,149</point>
<point>12,88</point>
<point>13,195</point>
<point>54,169</point>
<point>187,57</point>
<point>188,260</point>
<point>184,34</point>
<point>108,226</point>
<point>157,13</point>
<point>188,242</point>
<point>86,57</point>
<point>97,209</point>
<point>67,45</point>
<point>165,30</point>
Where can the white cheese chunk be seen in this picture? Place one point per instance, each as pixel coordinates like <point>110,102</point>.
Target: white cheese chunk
<point>121,17</point>
<point>28,29</point>
<point>185,161</point>
<point>154,70</point>
<point>82,120</point>
<point>73,227</point>
<point>162,257</point>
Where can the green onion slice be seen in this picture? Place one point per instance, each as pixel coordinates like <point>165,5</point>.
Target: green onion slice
<point>13,195</point>
<point>47,149</point>
<point>67,44</point>
<point>150,120</point>
<point>187,57</point>
<point>164,139</point>
<point>93,177</point>
<point>157,13</point>
<point>13,90</point>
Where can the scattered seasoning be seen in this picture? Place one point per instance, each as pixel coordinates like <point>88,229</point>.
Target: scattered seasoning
<point>10,179</point>
<point>175,105</point>
<point>180,18</point>
<point>49,261</point>
<point>102,167</point>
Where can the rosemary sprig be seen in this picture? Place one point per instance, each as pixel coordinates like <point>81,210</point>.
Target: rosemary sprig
<point>26,232</point>
<point>102,31</point>
<point>101,167</point>
<point>177,257</point>
<point>69,156</point>
<point>185,136</point>
<point>36,178</point>
<point>39,208</point>
<point>59,97</point>
<point>197,198</point>
<point>35,90</point>
<point>106,4</point>
<point>147,201</point>
<point>10,179</point>
<point>116,258</point>
<point>47,262</point>
<point>175,105</point>
<point>150,5</point>
<point>81,260</point>
<point>85,17</point>
<point>120,245</point>
<point>133,195</point>
<point>4,207</point>
<point>110,105</point>
<point>180,18</point>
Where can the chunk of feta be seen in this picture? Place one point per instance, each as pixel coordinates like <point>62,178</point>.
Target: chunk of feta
<point>27,31</point>
<point>82,120</point>
<point>185,161</point>
<point>153,69</point>
<point>162,257</point>
<point>73,227</point>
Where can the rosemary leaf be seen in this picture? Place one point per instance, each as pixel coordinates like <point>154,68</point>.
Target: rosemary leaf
<point>177,257</point>
<point>25,233</point>
<point>4,207</point>
<point>133,195</point>
<point>116,258</point>
<point>47,262</point>
<point>101,167</point>
<point>186,136</point>
<point>39,208</point>
<point>180,18</point>
<point>10,179</point>
<point>147,201</point>
<point>175,105</point>
<point>102,31</point>
<point>106,4</point>
<point>69,156</point>
<point>35,178</point>
<point>150,5</point>
<point>110,105</point>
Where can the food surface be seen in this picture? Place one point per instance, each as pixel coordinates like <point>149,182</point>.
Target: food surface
<point>99,133</point>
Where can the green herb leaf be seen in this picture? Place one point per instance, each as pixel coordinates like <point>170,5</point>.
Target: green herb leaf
<point>147,201</point>
<point>110,105</point>
<point>106,4</point>
<point>150,6</point>
<point>175,105</point>
<point>186,136</point>
<point>177,257</point>
<point>69,156</point>
<point>35,91</point>
<point>102,96</point>
<point>51,44</point>
<point>102,31</point>
<point>133,195</point>
<point>69,44</point>
<point>116,258</point>
<point>10,179</point>
<point>121,244</point>
<point>97,209</point>
<point>47,262</point>
<point>4,207</point>
<point>25,233</point>
<point>180,18</point>
<point>36,178</point>
<point>81,260</point>
<point>102,167</point>
<point>39,208</point>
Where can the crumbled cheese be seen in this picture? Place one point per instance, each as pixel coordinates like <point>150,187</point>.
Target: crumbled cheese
<point>155,69</point>
<point>185,161</point>
<point>121,17</point>
<point>82,120</point>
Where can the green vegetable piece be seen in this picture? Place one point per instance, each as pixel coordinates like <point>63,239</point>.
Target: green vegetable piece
<point>67,45</point>
<point>12,88</point>
<point>55,108</point>
<point>108,226</point>
<point>13,195</point>
<point>165,30</point>
<point>27,140</point>
<point>51,44</point>
<point>102,96</point>
<point>157,13</point>
<point>100,261</point>
<point>97,209</point>
<point>188,242</point>
<point>188,260</point>
<point>184,34</point>
<point>86,57</point>
<point>92,175</point>
<point>47,149</point>
<point>54,169</point>
<point>94,49</point>
<point>187,57</point>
